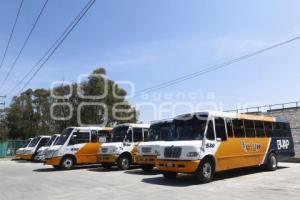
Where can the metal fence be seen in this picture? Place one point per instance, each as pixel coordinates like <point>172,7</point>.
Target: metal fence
<point>9,148</point>
<point>268,108</point>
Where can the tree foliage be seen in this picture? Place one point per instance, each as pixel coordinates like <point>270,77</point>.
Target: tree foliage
<point>29,113</point>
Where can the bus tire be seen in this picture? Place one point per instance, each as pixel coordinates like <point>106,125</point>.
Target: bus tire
<point>106,165</point>
<point>34,158</point>
<point>272,163</point>
<point>205,171</point>
<point>124,162</point>
<point>147,168</point>
<point>170,175</point>
<point>67,163</point>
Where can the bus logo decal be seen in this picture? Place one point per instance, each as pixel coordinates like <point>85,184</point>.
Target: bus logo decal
<point>283,144</point>
<point>250,147</point>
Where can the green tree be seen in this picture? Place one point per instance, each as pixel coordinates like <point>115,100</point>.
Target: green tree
<point>29,114</point>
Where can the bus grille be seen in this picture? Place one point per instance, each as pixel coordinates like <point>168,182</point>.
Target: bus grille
<point>104,150</point>
<point>146,149</point>
<point>172,152</point>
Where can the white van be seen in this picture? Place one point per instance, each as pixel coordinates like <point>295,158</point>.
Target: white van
<point>77,146</point>
<point>35,144</point>
<point>20,151</point>
<point>40,153</point>
<point>159,132</point>
<point>122,149</point>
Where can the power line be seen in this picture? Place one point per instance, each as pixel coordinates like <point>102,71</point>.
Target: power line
<point>24,44</point>
<point>212,68</point>
<point>53,48</point>
<point>11,34</point>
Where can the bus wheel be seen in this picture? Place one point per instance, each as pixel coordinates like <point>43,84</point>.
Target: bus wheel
<point>106,166</point>
<point>272,162</point>
<point>124,162</point>
<point>205,172</point>
<point>67,163</point>
<point>170,175</point>
<point>34,158</point>
<point>147,168</point>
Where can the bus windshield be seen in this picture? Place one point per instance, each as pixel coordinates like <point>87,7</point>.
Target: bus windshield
<point>119,133</point>
<point>64,136</point>
<point>161,131</point>
<point>26,143</point>
<point>34,142</point>
<point>190,129</point>
<point>52,139</point>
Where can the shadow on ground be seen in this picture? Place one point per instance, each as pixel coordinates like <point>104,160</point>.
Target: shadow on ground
<point>142,172</point>
<point>20,161</point>
<point>88,167</point>
<point>113,169</point>
<point>184,180</point>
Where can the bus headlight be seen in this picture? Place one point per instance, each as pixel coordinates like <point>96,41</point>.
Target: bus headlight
<point>114,150</point>
<point>157,153</point>
<point>192,154</point>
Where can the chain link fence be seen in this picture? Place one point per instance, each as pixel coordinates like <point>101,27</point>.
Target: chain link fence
<point>9,148</point>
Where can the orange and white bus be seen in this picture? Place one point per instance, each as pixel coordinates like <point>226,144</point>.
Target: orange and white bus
<point>76,146</point>
<point>20,151</point>
<point>209,142</point>
<point>159,132</point>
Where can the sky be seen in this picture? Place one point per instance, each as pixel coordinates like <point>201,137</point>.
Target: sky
<point>148,42</point>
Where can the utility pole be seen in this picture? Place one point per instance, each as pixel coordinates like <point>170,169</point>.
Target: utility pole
<point>2,116</point>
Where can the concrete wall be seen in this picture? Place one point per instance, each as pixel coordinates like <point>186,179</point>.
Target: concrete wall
<point>293,116</point>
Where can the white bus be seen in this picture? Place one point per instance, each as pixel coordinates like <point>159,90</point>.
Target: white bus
<point>41,152</point>
<point>20,151</point>
<point>159,132</point>
<point>209,142</point>
<point>36,143</point>
<point>77,146</point>
<point>122,149</point>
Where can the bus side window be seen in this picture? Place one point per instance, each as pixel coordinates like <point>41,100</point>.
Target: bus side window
<point>229,128</point>
<point>80,137</point>
<point>287,130</point>
<point>43,142</point>
<point>249,127</point>
<point>146,132</point>
<point>104,136</point>
<point>220,129</point>
<point>94,137</point>
<point>276,129</point>
<point>137,134</point>
<point>268,129</point>
<point>239,130</point>
<point>210,134</point>
<point>259,127</point>
<point>282,129</point>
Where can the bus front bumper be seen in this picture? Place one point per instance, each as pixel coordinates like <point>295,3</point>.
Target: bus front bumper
<point>55,161</point>
<point>145,160</point>
<point>108,158</point>
<point>178,166</point>
<point>18,156</point>
<point>27,156</point>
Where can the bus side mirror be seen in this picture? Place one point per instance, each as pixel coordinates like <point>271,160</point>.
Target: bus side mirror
<point>219,140</point>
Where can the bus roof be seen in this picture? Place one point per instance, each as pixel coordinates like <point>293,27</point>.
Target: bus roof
<point>163,121</point>
<point>233,116</point>
<point>92,128</point>
<point>134,125</point>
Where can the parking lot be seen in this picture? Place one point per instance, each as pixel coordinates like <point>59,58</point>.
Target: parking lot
<point>25,180</point>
